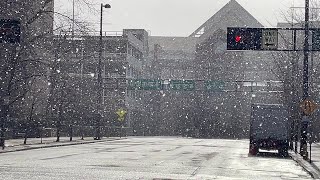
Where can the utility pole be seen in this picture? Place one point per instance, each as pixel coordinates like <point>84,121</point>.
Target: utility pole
<point>99,97</point>
<point>304,124</point>
<point>100,85</point>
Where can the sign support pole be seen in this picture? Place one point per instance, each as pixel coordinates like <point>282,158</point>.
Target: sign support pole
<point>303,140</point>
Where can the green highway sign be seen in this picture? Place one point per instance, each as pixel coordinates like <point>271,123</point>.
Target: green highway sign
<point>134,84</point>
<point>189,85</point>
<point>214,85</point>
<point>144,84</point>
<point>182,85</point>
<point>148,84</point>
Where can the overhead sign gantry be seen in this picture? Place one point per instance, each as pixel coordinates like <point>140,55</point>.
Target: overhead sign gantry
<point>267,39</point>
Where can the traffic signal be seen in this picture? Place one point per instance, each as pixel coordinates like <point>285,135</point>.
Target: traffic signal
<point>244,38</point>
<point>238,38</point>
<point>9,31</point>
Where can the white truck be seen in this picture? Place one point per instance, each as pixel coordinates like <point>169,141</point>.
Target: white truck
<point>269,128</point>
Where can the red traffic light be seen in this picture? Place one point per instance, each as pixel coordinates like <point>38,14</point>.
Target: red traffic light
<point>238,38</point>
<point>244,38</point>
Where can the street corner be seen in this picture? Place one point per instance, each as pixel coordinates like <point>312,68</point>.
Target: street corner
<point>308,167</point>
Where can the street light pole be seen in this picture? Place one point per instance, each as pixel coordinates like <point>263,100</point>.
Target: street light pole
<point>100,85</point>
<point>304,125</point>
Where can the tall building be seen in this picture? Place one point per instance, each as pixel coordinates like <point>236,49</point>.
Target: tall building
<point>236,78</point>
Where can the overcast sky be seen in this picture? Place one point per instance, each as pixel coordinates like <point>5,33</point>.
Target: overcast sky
<point>173,17</point>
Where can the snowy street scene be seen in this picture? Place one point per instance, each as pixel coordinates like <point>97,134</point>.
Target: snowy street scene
<point>159,89</point>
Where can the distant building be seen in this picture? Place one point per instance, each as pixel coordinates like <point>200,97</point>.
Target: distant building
<point>246,78</point>
<point>238,78</point>
<point>123,58</point>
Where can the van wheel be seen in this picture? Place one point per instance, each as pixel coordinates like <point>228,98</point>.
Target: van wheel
<point>283,151</point>
<point>253,149</point>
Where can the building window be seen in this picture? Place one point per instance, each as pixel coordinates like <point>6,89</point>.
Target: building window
<point>165,74</point>
<point>255,84</point>
<point>178,73</point>
<point>115,46</point>
<point>189,74</point>
<point>134,52</point>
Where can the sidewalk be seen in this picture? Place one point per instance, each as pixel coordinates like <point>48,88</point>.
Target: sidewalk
<point>315,156</point>
<point>13,145</point>
<point>312,168</point>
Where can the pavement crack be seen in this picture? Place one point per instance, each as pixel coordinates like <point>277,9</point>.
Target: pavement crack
<point>196,171</point>
<point>58,157</point>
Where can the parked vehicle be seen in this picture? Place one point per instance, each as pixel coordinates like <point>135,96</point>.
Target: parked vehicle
<point>269,128</point>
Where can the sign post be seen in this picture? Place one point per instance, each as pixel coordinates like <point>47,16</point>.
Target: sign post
<point>303,144</point>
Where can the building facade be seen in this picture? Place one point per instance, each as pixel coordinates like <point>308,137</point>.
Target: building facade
<point>77,63</point>
<point>226,82</point>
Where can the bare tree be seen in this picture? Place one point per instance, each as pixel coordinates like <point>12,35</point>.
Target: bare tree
<point>32,105</point>
<point>31,58</point>
<point>288,65</point>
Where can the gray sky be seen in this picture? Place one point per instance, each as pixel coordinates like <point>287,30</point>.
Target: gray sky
<point>173,17</point>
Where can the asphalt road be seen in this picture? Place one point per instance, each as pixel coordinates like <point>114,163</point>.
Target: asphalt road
<point>149,158</point>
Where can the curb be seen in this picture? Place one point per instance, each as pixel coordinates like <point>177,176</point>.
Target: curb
<point>57,145</point>
<point>314,173</point>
